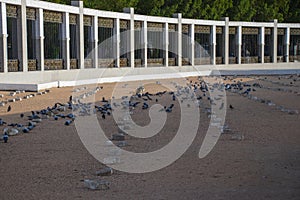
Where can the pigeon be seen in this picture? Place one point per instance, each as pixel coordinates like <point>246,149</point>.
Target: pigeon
<point>25,130</point>
<point>104,100</point>
<point>169,109</point>
<point>173,97</point>
<point>9,108</point>
<point>145,106</point>
<point>68,122</point>
<point>2,122</point>
<point>5,137</point>
<point>103,116</point>
<point>71,116</point>
<point>230,106</point>
<point>147,94</point>
<point>21,115</point>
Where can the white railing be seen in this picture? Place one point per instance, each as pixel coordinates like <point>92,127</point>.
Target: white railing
<point>15,52</point>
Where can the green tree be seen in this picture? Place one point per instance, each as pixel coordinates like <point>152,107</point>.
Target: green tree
<point>215,9</point>
<point>243,10</point>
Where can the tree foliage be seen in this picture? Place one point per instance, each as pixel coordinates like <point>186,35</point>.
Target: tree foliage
<point>237,10</point>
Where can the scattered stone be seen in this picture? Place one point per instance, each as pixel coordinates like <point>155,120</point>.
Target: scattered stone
<point>105,172</point>
<point>111,160</point>
<point>12,94</point>
<point>96,184</point>
<point>118,137</point>
<point>2,104</point>
<point>1,95</point>
<point>293,112</point>
<point>36,120</point>
<point>109,143</point>
<point>238,137</point>
<point>11,100</point>
<point>10,131</point>
<point>122,144</point>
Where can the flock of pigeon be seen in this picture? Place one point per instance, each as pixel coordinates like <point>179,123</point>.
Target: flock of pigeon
<point>247,90</point>
<point>199,90</point>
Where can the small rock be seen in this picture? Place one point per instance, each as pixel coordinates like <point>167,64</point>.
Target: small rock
<point>238,137</point>
<point>105,172</point>
<point>122,144</point>
<point>96,184</point>
<point>118,137</point>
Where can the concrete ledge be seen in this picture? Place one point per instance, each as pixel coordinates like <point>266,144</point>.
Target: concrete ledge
<point>27,87</point>
<point>127,78</point>
<point>35,81</point>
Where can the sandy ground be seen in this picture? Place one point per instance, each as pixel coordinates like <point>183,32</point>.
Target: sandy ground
<point>51,162</point>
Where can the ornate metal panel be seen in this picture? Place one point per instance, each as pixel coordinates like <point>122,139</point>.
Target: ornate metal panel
<point>219,30</point>
<point>123,62</point>
<point>155,61</point>
<point>106,62</point>
<point>155,26</point>
<point>124,24</point>
<point>32,64</point>
<point>137,25</point>
<point>51,16</point>
<point>295,31</point>
<point>172,27</point>
<point>267,59</point>
<point>137,62</point>
<point>53,64</point>
<point>73,19</point>
<point>280,31</point>
<point>105,22</point>
<point>202,29</point>
<point>11,11</point>
<point>249,31</point>
<point>252,59</point>
<point>268,31</point>
<point>185,28</point>
<point>13,65</point>
<point>202,61</point>
<point>185,61</point>
<point>30,13</point>
<point>73,64</point>
<point>232,60</point>
<point>232,30</point>
<point>294,58</point>
<point>87,20</point>
<point>219,60</point>
<point>172,61</point>
<point>88,63</point>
